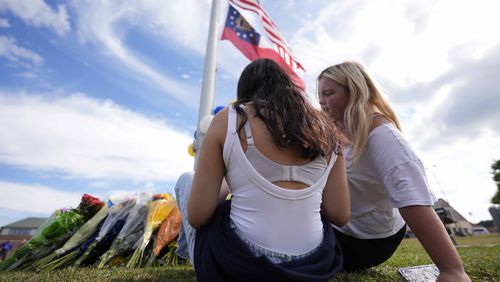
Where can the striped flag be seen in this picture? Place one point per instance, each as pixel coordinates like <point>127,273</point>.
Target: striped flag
<point>244,37</point>
<point>272,31</point>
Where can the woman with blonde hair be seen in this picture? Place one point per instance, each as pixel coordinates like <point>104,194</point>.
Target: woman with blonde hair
<point>387,182</point>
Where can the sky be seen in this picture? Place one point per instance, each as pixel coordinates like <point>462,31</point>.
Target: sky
<point>102,97</point>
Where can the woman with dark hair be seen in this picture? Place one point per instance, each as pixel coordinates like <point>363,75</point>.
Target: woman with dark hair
<point>279,156</point>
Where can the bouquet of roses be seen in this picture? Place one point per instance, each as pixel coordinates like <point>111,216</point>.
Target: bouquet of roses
<point>89,206</point>
<point>53,235</point>
<point>158,211</point>
<point>131,231</point>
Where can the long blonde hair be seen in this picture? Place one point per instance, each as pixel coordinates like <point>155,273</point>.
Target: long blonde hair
<point>365,98</point>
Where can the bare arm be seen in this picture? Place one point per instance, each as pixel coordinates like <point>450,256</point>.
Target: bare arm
<point>336,201</point>
<point>430,231</point>
<point>224,191</point>
<point>208,175</point>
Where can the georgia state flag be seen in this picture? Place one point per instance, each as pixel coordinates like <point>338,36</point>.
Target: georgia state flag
<point>248,41</point>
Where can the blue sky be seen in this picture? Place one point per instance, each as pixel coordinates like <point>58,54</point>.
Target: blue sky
<point>102,97</point>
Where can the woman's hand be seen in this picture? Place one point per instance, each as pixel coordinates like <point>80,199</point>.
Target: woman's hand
<point>431,233</point>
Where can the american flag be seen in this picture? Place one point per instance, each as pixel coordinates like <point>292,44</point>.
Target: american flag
<point>271,30</point>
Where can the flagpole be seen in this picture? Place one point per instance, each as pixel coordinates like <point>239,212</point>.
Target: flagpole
<point>209,68</point>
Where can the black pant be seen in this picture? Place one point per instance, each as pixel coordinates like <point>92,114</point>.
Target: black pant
<point>3,254</point>
<point>365,253</point>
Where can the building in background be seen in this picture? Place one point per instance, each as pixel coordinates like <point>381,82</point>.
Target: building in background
<point>455,223</point>
<point>20,231</point>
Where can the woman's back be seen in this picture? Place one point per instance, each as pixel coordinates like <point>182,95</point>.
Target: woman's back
<point>265,145</point>
<point>282,216</point>
<point>265,224</point>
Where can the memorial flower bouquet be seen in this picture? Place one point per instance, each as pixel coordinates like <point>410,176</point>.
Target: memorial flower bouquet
<point>50,262</point>
<point>114,222</point>
<point>132,231</point>
<point>62,226</point>
<point>158,211</point>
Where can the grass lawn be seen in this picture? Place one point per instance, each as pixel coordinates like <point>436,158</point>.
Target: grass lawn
<point>480,254</point>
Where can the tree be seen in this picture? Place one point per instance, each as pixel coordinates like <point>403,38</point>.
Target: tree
<point>495,170</point>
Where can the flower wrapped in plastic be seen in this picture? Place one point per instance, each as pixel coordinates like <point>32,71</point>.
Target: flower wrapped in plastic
<point>51,262</point>
<point>131,232</point>
<point>89,206</point>
<point>69,258</point>
<point>162,250</point>
<point>114,222</point>
<point>123,250</point>
<point>171,258</point>
<point>157,213</point>
<point>168,231</point>
<point>54,234</point>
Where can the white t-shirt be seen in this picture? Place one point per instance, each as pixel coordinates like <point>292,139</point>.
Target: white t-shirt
<point>387,176</point>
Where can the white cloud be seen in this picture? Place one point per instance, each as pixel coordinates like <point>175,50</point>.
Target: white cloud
<point>186,23</point>
<point>37,13</point>
<point>403,42</point>
<point>106,24</point>
<point>457,132</point>
<point>28,74</point>
<point>417,49</point>
<point>442,72</point>
<point>460,172</point>
<point>35,198</point>
<point>17,54</point>
<point>80,137</point>
<point>4,23</point>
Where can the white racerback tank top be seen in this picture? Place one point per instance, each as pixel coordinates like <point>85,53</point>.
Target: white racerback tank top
<point>278,219</point>
<point>273,171</point>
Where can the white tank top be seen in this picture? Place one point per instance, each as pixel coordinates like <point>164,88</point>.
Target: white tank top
<point>273,171</point>
<point>278,219</point>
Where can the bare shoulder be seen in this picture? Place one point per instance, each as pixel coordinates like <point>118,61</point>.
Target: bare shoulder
<point>378,120</point>
<point>218,126</point>
<point>221,116</point>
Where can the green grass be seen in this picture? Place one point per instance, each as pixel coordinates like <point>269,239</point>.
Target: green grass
<point>480,254</point>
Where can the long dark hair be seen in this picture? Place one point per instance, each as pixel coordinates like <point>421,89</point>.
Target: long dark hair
<point>289,117</point>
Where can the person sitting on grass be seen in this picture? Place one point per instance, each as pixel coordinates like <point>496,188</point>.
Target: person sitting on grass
<point>281,158</point>
<point>387,181</point>
<point>5,248</point>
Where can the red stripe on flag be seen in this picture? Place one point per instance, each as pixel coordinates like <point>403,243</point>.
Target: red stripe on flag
<point>271,54</point>
<point>253,52</point>
<point>263,13</point>
<point>249,50</point>
<point>270,27</point>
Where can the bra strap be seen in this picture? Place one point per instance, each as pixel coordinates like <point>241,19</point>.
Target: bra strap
<point>248,132</point>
